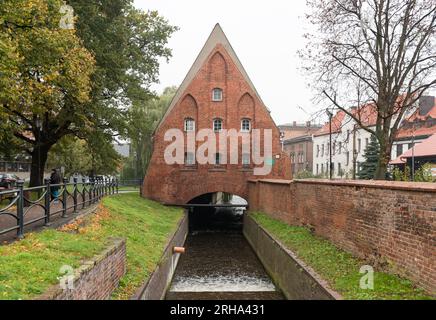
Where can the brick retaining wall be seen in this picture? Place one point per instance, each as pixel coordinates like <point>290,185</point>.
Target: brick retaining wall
<point>388,223</point>
<point>97,278</point>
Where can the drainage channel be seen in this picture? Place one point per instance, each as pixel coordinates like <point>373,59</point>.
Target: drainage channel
<point>219,263</point>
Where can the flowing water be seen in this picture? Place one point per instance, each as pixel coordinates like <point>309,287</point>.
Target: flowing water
<point>219,263</point>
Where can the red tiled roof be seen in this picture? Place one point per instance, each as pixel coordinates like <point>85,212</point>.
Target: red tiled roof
<point>336,125</point>
<point>424,149</point>
<point>367,114</point>
<point>409,132</point>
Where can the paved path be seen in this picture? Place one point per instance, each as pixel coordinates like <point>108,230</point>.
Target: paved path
<point>34,213</point>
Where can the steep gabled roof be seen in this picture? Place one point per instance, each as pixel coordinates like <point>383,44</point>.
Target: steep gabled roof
<point>216,37</point>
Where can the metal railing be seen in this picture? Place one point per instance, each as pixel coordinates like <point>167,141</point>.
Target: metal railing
<point>80,194</point>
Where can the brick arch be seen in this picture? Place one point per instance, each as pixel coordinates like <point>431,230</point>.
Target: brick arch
<point>191,192</point>
<point>217,68</point>
<point>189,102</point>
<point>246,106</point>
<point>189,107</point>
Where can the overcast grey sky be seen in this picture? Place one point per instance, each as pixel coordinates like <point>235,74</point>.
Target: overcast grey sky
<point>265,35</point>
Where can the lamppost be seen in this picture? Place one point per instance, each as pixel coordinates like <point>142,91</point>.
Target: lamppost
<point>38,125</point>
<point>413,153</point>
<point>330,115</point>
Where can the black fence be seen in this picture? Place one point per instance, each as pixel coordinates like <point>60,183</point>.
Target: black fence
<point>71,196</point>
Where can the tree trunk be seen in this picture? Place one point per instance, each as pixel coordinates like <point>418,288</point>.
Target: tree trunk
<point>383,161</point>
<point>39,159</point>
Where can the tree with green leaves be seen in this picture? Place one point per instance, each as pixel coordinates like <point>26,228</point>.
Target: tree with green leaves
<point>371,155</point>
<point>143,119</point>
<point>56,82</point>
<point>84,157</point>
<point>45,89</point>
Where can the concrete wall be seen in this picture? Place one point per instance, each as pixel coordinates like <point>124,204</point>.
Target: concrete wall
<point>156,286</point>
<point>296,280</point>
<point>97,278</point>
<point>390,224</point>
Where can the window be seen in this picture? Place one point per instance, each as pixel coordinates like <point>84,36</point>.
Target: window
<point>333,168</point>
<point>327,152</point>
<point>340,148</point>
<point>246,159</point>
<point>322,150</point>
<point>217,125</point>
<point>399,150</point>
<point>317,150</point>
<point>322,167</point>
<point>366,142</point>
<point>300,157</point>
<point>359,145</point>
<point>317,168</point>
<point>334,148</point>
<point>339,169</point>
<point>348,135</point>
<point>218,158</point>
<point>217,94</point>
<point>347,158</point>
<point>189,124</point>
<point>245,125</point>
<point>189,158</point>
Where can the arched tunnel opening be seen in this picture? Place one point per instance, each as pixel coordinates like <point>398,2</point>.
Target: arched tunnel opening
<point>219,213</point>
<point>219,263</point>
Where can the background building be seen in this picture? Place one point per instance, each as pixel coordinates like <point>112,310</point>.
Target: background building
<point>350,141</point>
<point>297,143</point>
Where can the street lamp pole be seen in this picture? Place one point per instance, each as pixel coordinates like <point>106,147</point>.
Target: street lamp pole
<point>330,115</point>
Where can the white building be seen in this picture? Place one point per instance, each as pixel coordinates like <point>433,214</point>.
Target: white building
<point>347,136</point>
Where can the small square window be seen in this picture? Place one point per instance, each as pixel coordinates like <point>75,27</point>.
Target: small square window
<point>245,125</point>
<point>217,94</point>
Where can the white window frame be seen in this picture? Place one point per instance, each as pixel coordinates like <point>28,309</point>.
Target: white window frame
<point>214,97</point>
<point>216,121</point>
<point>189,121</point>
<point>244,121</point>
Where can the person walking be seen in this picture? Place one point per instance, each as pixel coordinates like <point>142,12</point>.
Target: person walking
<point>55,179</point>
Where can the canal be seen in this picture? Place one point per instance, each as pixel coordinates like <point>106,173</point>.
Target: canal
<point>219,263</point>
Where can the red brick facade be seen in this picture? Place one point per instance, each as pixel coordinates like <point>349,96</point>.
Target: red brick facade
<point>216,67</point>
<point>388,223</point>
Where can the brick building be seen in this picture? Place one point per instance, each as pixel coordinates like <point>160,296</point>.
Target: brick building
<point>216,94</point>
<point>298,144</point>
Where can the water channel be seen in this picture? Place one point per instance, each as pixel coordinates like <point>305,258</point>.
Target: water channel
<point>219,263</point>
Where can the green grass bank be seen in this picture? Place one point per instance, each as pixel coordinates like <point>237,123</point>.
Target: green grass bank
<point>30,266</point>
<point>339,268</point>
